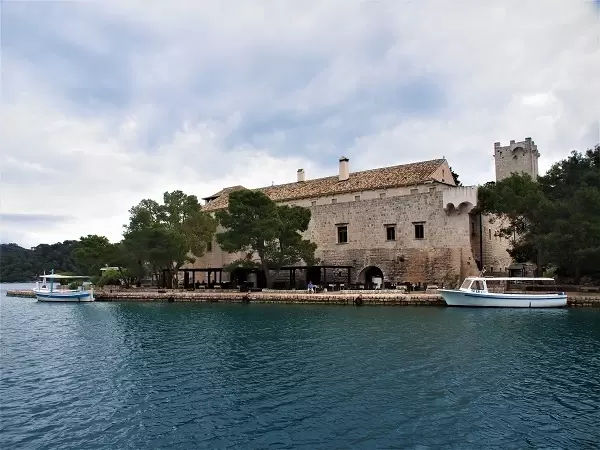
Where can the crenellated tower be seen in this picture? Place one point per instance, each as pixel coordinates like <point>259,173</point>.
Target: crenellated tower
<point>516,157</point>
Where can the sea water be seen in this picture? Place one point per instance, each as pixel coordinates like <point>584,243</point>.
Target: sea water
<point>187,375</point>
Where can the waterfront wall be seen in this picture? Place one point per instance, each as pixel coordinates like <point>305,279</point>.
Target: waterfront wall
<point>339,298</point>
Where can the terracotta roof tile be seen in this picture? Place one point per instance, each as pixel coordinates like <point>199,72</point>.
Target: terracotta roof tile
<point>386,177</point>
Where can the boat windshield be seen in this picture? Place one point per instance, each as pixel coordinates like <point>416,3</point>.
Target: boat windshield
<point>466,284</point>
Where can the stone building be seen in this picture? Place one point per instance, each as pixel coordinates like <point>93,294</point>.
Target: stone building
<point>516,157</point>
<point>382,227</point>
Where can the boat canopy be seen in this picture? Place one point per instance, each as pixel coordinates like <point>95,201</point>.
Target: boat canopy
<point>509,279</point>
<point>52,276</point>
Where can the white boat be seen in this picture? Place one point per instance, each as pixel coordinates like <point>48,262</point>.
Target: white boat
<point>49,289</point>
<point>505,292</point>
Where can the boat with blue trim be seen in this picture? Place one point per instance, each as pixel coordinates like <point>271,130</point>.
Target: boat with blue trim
<point>52,289</point>
<point>513,292</point>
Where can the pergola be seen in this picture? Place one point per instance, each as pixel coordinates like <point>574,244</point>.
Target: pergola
<point>217,272</point>
<point>322,268</point>
<point>186,275</point>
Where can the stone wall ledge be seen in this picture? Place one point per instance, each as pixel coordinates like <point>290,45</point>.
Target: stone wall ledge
<point>337,297</point>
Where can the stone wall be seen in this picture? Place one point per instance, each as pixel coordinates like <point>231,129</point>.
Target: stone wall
<point>495,256</point>
<point>446,254</point>
<point>515,158</point>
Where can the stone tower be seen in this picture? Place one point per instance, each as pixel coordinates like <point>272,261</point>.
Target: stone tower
<point>516,157</point>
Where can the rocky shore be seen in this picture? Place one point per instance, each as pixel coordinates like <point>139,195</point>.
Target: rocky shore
<point>270,296</point>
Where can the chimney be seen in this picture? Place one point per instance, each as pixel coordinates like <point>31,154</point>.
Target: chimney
<point>301,175</point>
<point>344,169</point>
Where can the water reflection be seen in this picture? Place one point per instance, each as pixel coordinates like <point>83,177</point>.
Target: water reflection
<point>213,375</point>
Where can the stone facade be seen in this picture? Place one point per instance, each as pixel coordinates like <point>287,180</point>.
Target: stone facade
<point>443,254</point>
<point>516,157</point>
<point>436,239</point>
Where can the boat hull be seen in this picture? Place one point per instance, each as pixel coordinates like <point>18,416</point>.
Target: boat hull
<point>482,299</point>
<point>78,296</point>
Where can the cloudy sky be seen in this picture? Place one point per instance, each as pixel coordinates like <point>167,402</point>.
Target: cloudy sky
<point>105,103</point>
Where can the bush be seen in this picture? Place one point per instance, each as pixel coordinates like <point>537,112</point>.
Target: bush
<point>112,277</point>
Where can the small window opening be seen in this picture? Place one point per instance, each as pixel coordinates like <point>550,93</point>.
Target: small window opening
<point>419,230</point>
<point>382,195</point>
<point>342,234</point>
<point>313,203</point>
<point>334,200</point>
<point>390,232</point>
<point>356,198</point>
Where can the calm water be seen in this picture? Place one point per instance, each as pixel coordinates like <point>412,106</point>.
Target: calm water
<point>194,375</point>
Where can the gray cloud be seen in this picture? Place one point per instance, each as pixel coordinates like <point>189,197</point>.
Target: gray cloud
<point>107,103</point>
<point>33,219</point>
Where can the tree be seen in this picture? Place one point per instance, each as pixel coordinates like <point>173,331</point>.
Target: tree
<point>20,264</point>
<point>93,252</point>
<point>555,220</point>
<point>455,177</point>
<point>164,237</point>
<point>255,224</point>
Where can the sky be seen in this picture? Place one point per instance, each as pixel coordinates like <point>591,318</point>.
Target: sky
<point>105,103</point>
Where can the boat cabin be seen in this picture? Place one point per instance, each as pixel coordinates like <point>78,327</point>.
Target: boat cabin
<point>509,285</point>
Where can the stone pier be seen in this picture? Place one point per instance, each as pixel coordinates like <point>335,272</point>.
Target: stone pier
<point>359,297</point>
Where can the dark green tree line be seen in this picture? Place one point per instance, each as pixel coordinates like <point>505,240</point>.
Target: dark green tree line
<point>555,219</point>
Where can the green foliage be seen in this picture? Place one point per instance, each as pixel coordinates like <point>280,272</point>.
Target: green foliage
<point>255,224</point>
<point>93,252</point>
<point>455,177</point>
<point>75,284</point>
<point>110,277</point>
<point>21,264</point>
<point>555,220</point>
<point>164,236</point>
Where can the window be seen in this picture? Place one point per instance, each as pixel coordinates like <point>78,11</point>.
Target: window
<point>490,233</point>
<point>342,234</point>
<point>356,198</point>
<point>334,200</point>
<point>382,195</point>
<point>419,230</point>
<point>313,203</point>
<point>473,229</point>
<point>209,246</point>
<point>414,191</point>
<point>432,189</point>
<point>390,232</point>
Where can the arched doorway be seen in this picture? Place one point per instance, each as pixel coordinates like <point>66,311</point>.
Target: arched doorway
<point>313,274</point>
<point>371,277</point>
<point>238,276</point>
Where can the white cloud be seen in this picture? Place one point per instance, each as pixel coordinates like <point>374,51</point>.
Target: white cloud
<point>136,98</point>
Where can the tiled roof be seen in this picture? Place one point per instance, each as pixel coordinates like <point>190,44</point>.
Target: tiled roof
<point>226,190</point>
<point>383,178</point>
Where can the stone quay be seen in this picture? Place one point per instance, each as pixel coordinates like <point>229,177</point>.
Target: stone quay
<point>355,297</point>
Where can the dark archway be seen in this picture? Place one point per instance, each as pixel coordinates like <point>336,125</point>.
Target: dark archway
<point>261,279</point>
<point>313,274</point>
<point>371,277</point>
<point>239,276</point>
